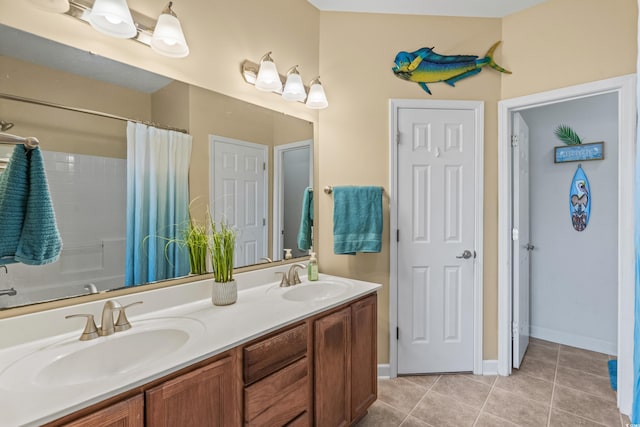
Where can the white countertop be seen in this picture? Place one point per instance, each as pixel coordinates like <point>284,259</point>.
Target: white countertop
<point>260,309</point>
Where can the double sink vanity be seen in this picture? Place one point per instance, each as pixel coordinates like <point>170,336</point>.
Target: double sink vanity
<point>297,356</point>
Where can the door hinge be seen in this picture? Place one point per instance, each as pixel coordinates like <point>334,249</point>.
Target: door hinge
<point>397,235</point>
<point>515,234</point>
<point>514,140</point>
<point>397,333</point>
<point>264,166</point>
<point>514,329</point>
<point>264,222</point>
<point>398,137</point>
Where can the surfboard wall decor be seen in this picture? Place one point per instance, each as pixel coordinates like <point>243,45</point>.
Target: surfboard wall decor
<point>580,200</point>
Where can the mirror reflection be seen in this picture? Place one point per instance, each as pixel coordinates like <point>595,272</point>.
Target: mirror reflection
<point>249,166</point>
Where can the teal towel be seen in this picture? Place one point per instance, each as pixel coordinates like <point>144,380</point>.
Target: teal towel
<point>306,221</point>
<point>29,231</point>
<point>357,219</point>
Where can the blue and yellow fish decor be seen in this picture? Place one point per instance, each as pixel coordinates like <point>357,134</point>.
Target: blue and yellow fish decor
<point>425,66</point>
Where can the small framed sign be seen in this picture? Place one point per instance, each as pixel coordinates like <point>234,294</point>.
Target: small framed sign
<point>579,153</point>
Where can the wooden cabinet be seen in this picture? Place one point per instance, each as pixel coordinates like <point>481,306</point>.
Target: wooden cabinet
<point>345,363</point>
<point>204,397</point>
<point>321,371</point>
<point>128,413</point>
<point>277,379</point>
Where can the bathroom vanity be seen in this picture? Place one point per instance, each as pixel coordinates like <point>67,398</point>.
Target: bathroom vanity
<point>296,356</point>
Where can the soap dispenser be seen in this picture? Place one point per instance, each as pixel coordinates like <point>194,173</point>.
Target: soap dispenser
<point>312,268</point>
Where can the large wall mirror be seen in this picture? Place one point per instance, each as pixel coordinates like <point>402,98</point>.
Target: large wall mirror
<point>86,161</point>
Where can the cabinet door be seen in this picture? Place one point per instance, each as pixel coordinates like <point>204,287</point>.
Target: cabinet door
<point>206,397</point>
<point>332,364</point>
<point>364,360</point>
<point>128,413</point>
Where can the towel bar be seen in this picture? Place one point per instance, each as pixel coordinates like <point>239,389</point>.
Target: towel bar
<point>329,189</point>
<point>29,142</point>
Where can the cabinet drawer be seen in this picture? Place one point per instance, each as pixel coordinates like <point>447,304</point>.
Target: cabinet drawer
<point>279,398</point>
<point>271,354</point>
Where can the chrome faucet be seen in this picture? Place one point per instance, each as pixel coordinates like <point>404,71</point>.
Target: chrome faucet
<point>10,292</point>
<point>294,278</point>
<point>107,327</point>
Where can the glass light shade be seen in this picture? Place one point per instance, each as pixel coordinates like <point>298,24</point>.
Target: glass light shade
<point>168,38</point>
<point>294,88</point>
<point>55,6</point>
<point>268,78</point>
<point>317,99</point>
<point>112,17</point>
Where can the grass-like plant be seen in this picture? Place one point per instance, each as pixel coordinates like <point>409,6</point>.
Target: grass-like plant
<point>196,239</point>
<point>223,242</point>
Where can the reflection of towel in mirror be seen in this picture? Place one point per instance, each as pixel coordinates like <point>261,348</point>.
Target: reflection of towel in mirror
<point>29,231</point>
<point>357,219</point>
<point>306,220</point>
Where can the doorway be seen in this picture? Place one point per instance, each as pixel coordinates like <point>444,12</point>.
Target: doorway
<point>436,174</point>
<point>622,89</point>
<point>292,174</point>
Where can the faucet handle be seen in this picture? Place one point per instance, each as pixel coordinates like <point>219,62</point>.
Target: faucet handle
<point>122,324</point>
<point>285,281</point>
<point>90,329</point>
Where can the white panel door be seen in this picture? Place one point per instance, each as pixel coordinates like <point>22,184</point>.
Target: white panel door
<point>436,257</point>
<point>521,244</point>
<point>240,197</point>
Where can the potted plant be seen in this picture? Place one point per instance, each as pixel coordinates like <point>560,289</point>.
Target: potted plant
<point>222,247</point>
<point>196,240</point>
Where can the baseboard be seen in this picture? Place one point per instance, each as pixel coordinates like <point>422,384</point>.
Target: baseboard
<point>489,367</point>
<point>574,340</point>
<point>384,370</point>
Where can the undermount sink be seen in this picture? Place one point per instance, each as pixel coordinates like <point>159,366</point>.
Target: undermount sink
<point>316,291</point>
<point>147,344</point>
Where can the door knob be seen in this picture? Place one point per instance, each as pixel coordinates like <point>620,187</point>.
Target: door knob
<point>529,247</point>
<point>465,255</point>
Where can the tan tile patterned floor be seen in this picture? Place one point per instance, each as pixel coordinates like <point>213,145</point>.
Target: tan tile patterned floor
<point>557,386</point>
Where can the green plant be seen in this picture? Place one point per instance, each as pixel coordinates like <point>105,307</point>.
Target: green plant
<point>223,242</point>
<point>567,135</point>
<point>196,239</point>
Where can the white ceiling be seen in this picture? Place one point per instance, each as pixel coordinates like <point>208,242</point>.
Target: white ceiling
<point>475,8</point>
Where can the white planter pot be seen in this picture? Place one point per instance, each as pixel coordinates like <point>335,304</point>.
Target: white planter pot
<point>224,293</point>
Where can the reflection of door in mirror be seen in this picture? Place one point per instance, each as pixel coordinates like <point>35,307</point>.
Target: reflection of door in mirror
<point>238,198</point>
<point>293,166</point>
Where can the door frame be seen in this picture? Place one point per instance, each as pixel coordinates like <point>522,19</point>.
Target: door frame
<point>625,87</point>
<point>278,185</point>
<point>478,108</point>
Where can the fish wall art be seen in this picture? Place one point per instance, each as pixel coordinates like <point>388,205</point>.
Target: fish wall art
<point>580,200</point>
<point>426,66</point>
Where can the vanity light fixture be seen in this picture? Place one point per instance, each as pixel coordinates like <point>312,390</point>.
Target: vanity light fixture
<point>316,99</point>
<point>268,78</point>
<point>114,18</point>
<point>294,88</point>
<point>55,6</point>
<point>168,38</point>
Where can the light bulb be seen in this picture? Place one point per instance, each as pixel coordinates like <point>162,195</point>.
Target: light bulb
<point>268,78</point>
<point>317,99</point>
<point>294,88</point>
<point>113,18</point>
<point>168,38</point>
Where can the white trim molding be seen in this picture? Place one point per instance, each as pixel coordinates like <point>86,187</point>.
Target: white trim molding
<point>478,108</point>
<point>489,367</point>
<point>625,87</point>
<point>384,370</point>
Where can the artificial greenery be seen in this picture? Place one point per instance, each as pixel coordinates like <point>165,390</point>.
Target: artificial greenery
<point>567,135</point>
<point>196,239</point>
<point>222,247</point>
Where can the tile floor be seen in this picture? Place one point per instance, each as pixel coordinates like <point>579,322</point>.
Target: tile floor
<point>556,386</point>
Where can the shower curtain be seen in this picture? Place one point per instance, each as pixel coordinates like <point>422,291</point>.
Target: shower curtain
<point>635,407</point>
<point>157,203</point>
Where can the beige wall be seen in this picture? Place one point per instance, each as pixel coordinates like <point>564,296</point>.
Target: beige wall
<point>60,130</point>
<point>561,43</point>
<point>558,43</point>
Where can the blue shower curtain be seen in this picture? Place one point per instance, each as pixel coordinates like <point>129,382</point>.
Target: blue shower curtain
<point>157,203</point>
<point>635,407</point>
